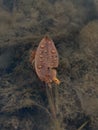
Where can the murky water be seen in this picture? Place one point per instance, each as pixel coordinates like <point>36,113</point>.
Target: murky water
<point>73,26</point>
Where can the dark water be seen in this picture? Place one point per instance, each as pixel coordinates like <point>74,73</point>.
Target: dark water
<point>73,26</point>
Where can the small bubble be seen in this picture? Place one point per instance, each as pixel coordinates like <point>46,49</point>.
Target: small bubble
<point>53,51</point>
<point>42,46</point>
<point>55,59</point>
<point>39,67</point>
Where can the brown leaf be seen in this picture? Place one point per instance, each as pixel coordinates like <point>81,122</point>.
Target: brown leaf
<point>46,59</point>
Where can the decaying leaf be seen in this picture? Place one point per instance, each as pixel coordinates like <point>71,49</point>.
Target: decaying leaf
<point>46,60</point>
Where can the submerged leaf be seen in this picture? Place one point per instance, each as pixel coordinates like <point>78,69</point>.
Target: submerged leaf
<point>46,60</point>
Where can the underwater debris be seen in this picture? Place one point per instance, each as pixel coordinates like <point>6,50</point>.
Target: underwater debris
<point>46,60</point>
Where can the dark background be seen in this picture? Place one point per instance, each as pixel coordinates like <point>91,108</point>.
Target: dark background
<point>73,26</point>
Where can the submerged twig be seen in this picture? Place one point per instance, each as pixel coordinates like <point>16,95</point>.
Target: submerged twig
<point>52,106</point>
<point>51,101</point>
<point>83,125</point>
